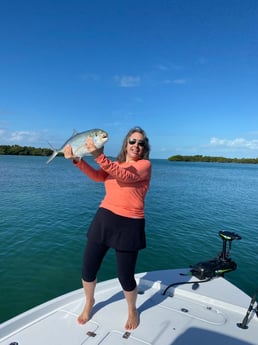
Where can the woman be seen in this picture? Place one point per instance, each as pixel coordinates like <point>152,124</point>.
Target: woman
<point>119,222</point>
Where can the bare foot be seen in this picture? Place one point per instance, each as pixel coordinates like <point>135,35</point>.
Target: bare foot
<point>86,313</point>
<point>133,320</point>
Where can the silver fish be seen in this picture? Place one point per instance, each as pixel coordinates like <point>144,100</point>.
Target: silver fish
<point>77,142</point>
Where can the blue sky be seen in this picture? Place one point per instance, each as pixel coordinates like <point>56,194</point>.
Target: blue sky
<point>186,71</point>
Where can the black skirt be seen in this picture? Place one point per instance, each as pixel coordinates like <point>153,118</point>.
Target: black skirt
<point>118,232</point>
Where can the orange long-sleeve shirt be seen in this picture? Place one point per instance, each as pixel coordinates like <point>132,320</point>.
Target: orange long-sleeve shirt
<point>126,184</point>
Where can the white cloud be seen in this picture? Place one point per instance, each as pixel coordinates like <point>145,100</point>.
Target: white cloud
<point>21,137</point>
<point>91,77</point>
<point>165,67</point>
<point>179,81</point>
<point>238,143</point>
<point>127,81</point>
<point>175,81</point>
<point>162,67</point>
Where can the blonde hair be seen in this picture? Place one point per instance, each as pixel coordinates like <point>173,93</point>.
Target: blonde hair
<point>146,149</point>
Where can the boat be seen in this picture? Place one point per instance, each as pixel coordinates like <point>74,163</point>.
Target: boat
<point>195,305</point>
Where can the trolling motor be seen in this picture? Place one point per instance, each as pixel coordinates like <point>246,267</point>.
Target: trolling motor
<point>219,265</point>
<point>216,267</point>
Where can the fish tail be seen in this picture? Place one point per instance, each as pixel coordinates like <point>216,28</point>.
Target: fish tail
<point>54,154</point>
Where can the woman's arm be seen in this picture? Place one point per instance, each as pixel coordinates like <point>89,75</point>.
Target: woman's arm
<point>97,175</point>
<point>137,171</point>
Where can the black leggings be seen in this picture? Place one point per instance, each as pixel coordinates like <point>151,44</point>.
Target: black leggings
<point>126,262</point>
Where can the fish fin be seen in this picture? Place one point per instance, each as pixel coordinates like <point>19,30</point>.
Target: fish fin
<point>75,132</point>
<point>54,154</point>
<point>52,147</point>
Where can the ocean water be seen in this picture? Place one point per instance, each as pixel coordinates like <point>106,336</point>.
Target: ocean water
<point>45,211</point>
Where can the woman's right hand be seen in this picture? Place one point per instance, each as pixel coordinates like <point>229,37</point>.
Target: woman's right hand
<point>68,153</point>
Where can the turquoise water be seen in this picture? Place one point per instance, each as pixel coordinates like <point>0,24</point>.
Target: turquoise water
<point>46,209</point>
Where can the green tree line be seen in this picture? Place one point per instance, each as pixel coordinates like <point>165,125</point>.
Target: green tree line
<point>200,158</point>
<point>24,150</point>
<point>37,151</point>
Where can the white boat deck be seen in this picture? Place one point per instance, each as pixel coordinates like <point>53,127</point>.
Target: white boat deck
<point>207,315</point>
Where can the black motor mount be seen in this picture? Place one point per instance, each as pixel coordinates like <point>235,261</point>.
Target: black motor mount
<point>219,265</point>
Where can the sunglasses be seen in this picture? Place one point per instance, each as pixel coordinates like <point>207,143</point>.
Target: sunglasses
<point>134,141</point>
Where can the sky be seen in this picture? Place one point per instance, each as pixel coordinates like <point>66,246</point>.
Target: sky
<point>185,71</point>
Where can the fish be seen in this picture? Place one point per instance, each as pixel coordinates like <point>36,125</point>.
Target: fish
<point>77,142</point>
